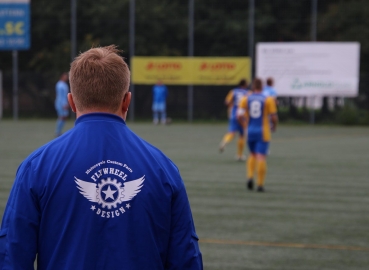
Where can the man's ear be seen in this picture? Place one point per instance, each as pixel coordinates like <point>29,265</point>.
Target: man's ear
<point>71,102</point>
<point>126,101</point>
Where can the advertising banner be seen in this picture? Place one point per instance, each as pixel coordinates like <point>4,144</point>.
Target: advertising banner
<point>310,68</point>
<point>195,70</point>
<point>14,24</point>
<point>170,70</point>
<point>220,70</point>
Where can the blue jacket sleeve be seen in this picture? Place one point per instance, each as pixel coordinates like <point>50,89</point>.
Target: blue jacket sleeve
<point>183,250</point>
<point>19,228</point>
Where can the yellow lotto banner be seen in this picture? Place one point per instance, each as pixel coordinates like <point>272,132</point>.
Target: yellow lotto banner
<point>171,70</point>
<point>220,70</point>
<point>195,70</point>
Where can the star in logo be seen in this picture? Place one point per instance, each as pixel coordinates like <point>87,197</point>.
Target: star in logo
<point>112,190</point>
<point>109,193</point>
<point>93,208</point>
<point>128,205</point>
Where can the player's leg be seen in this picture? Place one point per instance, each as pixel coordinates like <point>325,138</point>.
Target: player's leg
<point>163,118</point>
<point>240,144</point>
<point>62,117</point>
<point>228,137</point>
<point>240,148</point>
<point>261,152</point>
<point>250,165</point>
<point>155,113</point>
<point>59,127</point>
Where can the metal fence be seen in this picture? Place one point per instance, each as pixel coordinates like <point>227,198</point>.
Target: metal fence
<point>37,93</point>
<point>220,29</point>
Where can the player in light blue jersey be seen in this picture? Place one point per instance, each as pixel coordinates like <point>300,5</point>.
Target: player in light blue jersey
<point>61,103</point>
<point>160,93</point>
<point>99,197</point>
<point>232,101</point>
<point>269,90</point>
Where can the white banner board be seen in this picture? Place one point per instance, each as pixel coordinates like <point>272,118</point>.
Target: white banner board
<point>310,68</point>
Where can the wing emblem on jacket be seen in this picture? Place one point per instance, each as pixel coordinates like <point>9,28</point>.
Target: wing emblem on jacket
<point>109,193</point>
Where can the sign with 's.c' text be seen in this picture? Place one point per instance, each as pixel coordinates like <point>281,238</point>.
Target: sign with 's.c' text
<point>190,70</point>
<point>310,68</point>
<point>14,24</point>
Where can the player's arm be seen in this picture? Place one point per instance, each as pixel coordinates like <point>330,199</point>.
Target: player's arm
<point>273,94</point>
<point>274,119</point>
<point>276,100</point>
<point>272,111</point>
<point>229,99</point>
<point>242,112</point>
<point>19,228</point>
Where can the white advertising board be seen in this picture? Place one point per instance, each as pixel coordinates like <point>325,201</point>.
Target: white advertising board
<point>310,68</point>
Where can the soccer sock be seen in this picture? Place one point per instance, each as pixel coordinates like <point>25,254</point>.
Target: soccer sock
<point>240,146</point>
<point>163,117</point>
<point>227,138</point>
<point>250,165</point>
<point>156,117</point>
<point>262,168</point>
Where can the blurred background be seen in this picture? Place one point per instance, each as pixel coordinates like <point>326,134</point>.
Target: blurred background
<point>220,28</point>
<point>314,214</point>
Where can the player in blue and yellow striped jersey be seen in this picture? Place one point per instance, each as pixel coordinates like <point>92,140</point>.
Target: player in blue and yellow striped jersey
<point>258,112</point>
<point>232,101</point>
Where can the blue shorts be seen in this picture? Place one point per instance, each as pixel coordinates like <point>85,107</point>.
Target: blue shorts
<point>258,147</point>
<point>61,111</point>
<point>159,106</point>
<point>234,126</point>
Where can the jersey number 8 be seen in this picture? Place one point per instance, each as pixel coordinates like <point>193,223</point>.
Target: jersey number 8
<point>255,109</point>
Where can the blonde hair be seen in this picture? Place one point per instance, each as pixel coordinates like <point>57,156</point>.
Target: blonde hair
<point>99,78</point>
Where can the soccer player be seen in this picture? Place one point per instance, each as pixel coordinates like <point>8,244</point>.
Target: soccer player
<point>99,197</point>
<point>232,101</point>
<point>269,90</point>
<point>160,93</point>
<point>61,103</point>
<point>257,111</point>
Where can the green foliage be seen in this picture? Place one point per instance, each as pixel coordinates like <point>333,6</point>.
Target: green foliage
<point>283,20</point>
<point>221,27</point>
<point>350,115</point>
<point>161,27</point>
<point>347,21</point>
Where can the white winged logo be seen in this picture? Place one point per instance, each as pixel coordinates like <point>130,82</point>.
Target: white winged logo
<point>109,192</point>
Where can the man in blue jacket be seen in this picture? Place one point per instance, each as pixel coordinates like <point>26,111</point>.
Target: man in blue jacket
<point>98,197</point>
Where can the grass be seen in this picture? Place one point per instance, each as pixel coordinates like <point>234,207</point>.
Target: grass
<point>313,215</point>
